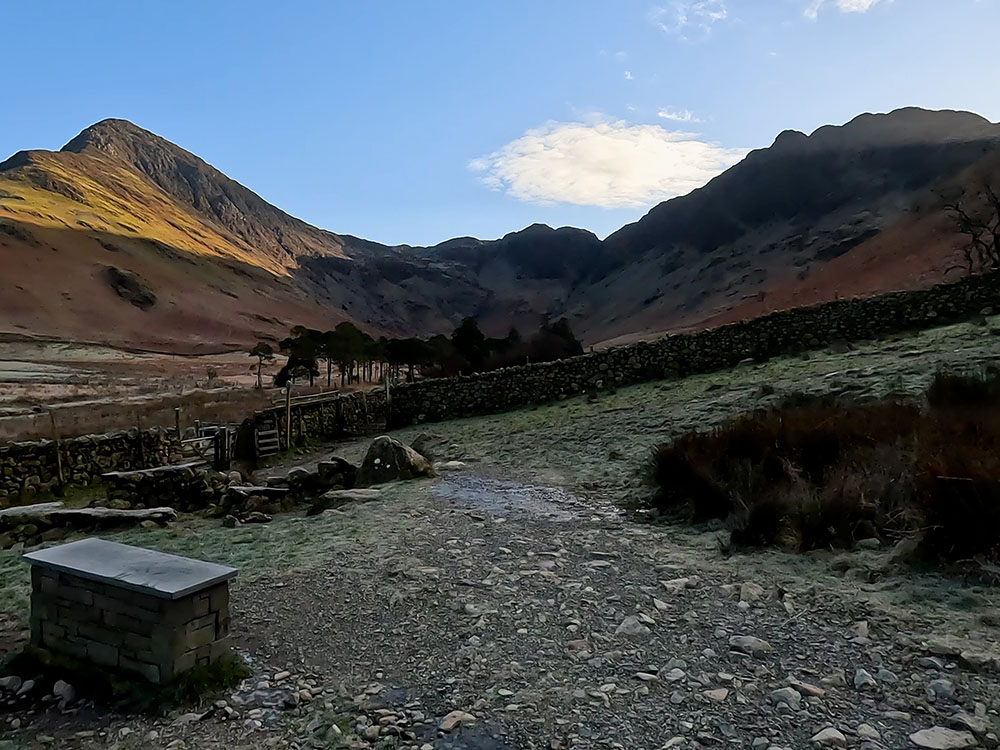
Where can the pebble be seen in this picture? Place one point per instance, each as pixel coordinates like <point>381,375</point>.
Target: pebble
<point>11,684</point>
<point>64,692</point>
<point>830,737</point>
<point>863,679</point>
<point>454,720</point>
<point>941,688</point>
<point>787,695</point>
<point>26,687</point>
<point>749,644</point>
<point>632,627</point>
<point>868,732</point>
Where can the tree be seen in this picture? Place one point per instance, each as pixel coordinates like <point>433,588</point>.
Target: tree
<point>264,353</point>
<point>981,224</point>
<point>470,343</point>
<point>303,349</point>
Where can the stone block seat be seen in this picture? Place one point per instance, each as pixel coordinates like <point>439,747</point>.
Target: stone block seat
<point>132,609</point>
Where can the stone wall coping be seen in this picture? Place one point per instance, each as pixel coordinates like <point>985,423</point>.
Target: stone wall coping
<point>154,471</point>
<point>135,568</point>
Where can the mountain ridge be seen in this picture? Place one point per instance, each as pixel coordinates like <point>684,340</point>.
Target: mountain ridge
<point>186,229</point>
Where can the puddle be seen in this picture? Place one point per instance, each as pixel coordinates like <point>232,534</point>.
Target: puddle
<point>516,500</point>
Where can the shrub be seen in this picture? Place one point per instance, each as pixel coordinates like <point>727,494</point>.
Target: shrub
<point>812,473</point>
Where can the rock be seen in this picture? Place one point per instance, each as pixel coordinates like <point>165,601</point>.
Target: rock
<point>941,738</point>
<point>941,688</point>
<point>749,644</point>
<point>751,592</point>
<point>339,498</point>
<point>337,472</point>
<point>55,514</point>
<point>807,689</point>
<point>981,661</point>
<point>863,679</point>
<point>718,695</point>
<point>26,687</point>
<point>454,720</point>
<point>787,695</point>
<point>930,662</point>
<point>868,732</point>
<point>450,466</point>
<point>829,737</point>
<point>835,679</point>
<point>632,627</point>
<point>423,443</point>
<point>887,676</point>
<point>388,460</point>
<point>978,725</point>
<point>11,683</point>
<point>64,692</point>
<point>859,629</point>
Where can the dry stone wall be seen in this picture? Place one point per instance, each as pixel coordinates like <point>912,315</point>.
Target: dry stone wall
<point>779,333</point>
<point>27,468</point>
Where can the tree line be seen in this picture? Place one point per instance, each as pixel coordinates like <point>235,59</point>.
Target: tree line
<point>359,356</point>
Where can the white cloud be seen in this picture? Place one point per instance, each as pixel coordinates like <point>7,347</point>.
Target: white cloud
<point>844,6</point>
<point>682,17</point>
<point>611,164</point>
<point>628,75</point>
<point>677,115</point>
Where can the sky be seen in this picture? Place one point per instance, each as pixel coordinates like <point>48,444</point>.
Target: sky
<point>413,122</point>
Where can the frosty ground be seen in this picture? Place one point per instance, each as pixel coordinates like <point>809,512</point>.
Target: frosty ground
<point>514,603</point>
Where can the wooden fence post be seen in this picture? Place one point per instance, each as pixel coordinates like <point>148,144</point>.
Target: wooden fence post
<point>177,422</point>
<point>138,432</point>
<point>288,417</point>
<point>55,439</point>
<point>388,402</point>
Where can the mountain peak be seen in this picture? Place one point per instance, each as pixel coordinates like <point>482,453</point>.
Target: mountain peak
<point>105,134</point>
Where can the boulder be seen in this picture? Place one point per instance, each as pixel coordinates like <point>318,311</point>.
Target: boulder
<point>389,460</point>
<point>337,472</point>
<point>423,444</point>
<point>339,498</point>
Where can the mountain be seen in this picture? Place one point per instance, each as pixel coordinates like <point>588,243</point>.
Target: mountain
<point>126,238</point>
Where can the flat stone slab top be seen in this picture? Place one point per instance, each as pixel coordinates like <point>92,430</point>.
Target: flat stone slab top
<point>155,471</point>
<point>144,570</point>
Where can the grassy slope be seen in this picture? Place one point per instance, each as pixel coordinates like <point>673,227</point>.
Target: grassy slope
<point>211,287</point>
<point>121,203</point>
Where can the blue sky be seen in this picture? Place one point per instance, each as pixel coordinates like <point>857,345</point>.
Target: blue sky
<point>415,122</point>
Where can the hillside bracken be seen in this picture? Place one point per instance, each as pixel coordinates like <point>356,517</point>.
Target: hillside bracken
<point>822,474</point>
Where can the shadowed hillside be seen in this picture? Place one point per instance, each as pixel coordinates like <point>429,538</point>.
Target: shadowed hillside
<point>125,238</point>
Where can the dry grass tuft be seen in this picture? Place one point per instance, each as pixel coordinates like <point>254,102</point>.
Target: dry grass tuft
<point>815,474</point>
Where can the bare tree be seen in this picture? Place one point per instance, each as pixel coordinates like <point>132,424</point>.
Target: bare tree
<point>981,224</point>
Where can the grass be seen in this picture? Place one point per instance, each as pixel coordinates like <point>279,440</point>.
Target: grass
<point>818,473</point>
<point>258,551</point>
